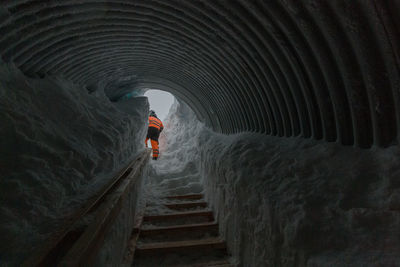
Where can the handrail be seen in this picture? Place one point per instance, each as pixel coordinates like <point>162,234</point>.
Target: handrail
<point>75,245</point>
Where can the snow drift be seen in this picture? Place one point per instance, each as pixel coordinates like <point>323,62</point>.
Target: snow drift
<point>293,201</point>
<point>58,145</point>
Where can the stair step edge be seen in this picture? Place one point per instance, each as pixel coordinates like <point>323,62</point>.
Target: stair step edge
<point>199,203</point>
<point>213,242</point>
<point>177,227</point>
<point>223,263</point>
<point>206,213</point>
<point>189,196</point>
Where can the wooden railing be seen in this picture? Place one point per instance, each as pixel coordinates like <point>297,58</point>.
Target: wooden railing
<point>75,244</point>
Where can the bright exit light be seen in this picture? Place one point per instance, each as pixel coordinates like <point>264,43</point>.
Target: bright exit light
<point>160,102</point>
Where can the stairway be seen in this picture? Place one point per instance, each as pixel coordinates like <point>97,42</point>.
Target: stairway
<point>183,234</point>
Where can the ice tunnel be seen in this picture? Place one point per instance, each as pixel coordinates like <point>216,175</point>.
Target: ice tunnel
<point>322,69</point>
<point>297,144</point>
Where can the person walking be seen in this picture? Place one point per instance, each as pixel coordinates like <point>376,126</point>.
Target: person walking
<point>155,128</point>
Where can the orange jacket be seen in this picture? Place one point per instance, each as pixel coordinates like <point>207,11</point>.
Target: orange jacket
<point>156,123</point>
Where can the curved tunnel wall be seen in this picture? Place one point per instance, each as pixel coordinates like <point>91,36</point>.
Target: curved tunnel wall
<point>318,69</point>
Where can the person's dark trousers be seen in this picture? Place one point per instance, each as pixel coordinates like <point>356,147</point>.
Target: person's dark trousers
<point>153,134</point>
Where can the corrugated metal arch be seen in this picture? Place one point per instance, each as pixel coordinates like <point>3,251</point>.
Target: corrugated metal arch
<point>318,69</point>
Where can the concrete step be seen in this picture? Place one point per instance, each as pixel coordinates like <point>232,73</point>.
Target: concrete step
<point>182,238</point>
<point>184,258</point>
<point>212,226</point>
<point>191,196</point>
<point>181,246</point>
<point>179,232</point>
<point>221,263</point>
<point>173,216</point>
<point>186,205</point>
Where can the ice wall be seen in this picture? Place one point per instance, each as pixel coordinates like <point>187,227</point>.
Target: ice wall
<point>58,145</point>
<point>297,202</point>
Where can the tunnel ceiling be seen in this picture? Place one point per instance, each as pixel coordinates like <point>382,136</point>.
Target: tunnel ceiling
<point>318,69</point>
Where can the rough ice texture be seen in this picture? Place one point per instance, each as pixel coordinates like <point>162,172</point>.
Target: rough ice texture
<point>297,202</point>
<point>58,146</point>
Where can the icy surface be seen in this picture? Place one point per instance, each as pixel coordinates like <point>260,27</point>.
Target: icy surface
<point>292,201</point>
<point>58,145</point>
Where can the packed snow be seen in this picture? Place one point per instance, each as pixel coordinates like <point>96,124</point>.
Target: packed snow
<point>59,145</point>
<point>176,171</point>
<point>297,202</point>
<point>113,251</point>
<point>279,201</point>
<point>288,201</point>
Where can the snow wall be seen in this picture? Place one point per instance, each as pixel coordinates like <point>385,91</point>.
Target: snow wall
<point>176,172</point>
<point>58,146</point>
<point>294,201</point>
<point>113,251</point>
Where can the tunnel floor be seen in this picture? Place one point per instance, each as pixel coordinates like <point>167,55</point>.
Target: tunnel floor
<point>178,227</point>
<point>186,235</point>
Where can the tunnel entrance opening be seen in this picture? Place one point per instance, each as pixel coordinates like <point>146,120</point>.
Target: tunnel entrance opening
<point>160,101</point>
